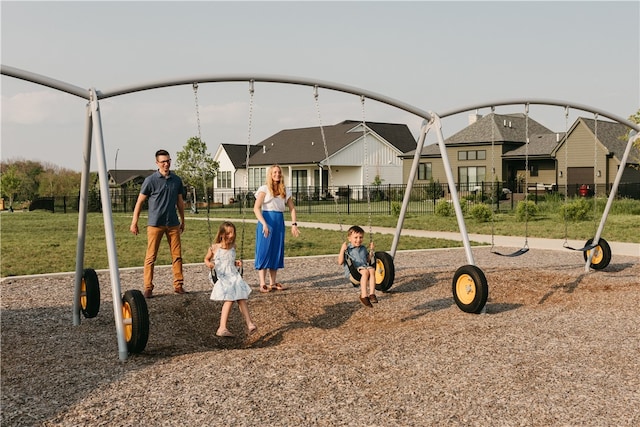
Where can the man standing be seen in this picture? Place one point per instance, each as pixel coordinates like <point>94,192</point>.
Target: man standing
<point>165,191</point>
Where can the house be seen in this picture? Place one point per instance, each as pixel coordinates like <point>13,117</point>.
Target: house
<point>122,178</point>
<point>592,154</point>
<point>232,172</point>
<point>355,155</point>
<point>121,183</point>
<point>494,147</point>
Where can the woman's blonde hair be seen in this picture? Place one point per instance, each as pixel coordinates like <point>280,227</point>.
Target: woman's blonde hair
<point>223,230</point>
<point>275,188</point>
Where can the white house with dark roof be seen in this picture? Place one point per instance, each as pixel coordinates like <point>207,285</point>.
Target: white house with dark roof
<point>355,154</point>
<point>232,173</point>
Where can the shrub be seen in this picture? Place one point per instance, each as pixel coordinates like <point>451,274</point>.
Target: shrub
<point>578,210</point>
<point>481,212</point>
<point>525,210</point>
<point>444,208</point>
<point>395,208</point>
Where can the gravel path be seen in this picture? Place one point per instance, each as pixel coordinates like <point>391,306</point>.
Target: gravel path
<point>557,346</point>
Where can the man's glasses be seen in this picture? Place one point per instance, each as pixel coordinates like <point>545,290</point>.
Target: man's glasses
<point>164,161</point>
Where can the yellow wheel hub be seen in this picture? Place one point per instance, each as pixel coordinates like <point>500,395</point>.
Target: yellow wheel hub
<point>465,289</point>
<point>127,318</point>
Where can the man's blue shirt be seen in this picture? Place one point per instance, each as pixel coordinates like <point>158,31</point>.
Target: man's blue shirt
<point>163,195</point>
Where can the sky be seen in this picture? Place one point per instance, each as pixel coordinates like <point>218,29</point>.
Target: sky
<point>434,56</point>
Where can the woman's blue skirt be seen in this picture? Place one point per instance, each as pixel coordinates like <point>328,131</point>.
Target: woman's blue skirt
<point>270,249</point>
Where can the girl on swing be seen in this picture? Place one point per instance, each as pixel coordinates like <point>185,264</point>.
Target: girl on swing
<point>362,261</point>
<point>230,286</point>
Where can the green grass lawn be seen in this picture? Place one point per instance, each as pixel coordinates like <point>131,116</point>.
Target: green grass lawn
<point>42,242</point>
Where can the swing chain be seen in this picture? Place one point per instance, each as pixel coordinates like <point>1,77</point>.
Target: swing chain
<point>245,200</point>
<point>366,168</point>
<point>206,195</point>
<point>566,178</point>
<point>493,171</point>
<point>526,175</point>
<point>326,154</point>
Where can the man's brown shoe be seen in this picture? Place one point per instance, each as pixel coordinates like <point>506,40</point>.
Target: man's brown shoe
<point>180,290</point>
<point>148,293</point>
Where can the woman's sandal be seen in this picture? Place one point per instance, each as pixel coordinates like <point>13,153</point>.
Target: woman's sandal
<point>278,287</point>
<point>224,333</point>
<point>265,290</point>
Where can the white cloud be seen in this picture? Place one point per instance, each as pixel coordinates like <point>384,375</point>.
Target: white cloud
<point>38,107</point>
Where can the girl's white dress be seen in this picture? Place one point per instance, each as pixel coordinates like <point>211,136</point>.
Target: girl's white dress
<point>230,285</point>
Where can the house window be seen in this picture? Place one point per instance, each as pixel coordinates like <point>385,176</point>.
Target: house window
<point>533,170</point>
<point>299,180</point>
<point>424,172</point>
<point>471,177</point>
<point>472,155</point>
<point>224,179</point>
<point>257,177</point>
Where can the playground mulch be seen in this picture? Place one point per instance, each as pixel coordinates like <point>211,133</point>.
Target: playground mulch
<point>556,346</point>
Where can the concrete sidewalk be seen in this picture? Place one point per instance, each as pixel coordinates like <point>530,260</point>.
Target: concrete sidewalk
<point>617,248</point>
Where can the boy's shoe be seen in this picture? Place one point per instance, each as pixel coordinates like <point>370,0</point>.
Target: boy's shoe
<point>148,293</point>
<point>365,301</point>
<point>373,298</point>
<point>180,290</point>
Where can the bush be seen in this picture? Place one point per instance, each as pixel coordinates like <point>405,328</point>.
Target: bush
<point>526,210</point>
<point>444,208</point>
<point>578,210</point>
<point>481,212</point>
<point>395,208</point>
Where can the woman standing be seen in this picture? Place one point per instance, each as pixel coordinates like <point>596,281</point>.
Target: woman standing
<point>271,201</point>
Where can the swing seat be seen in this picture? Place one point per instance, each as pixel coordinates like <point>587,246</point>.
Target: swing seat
<point>213,276</point>
<point>385,271</point>
<point>587,247</point>
<point>354,274</point>
<point>519,252</point>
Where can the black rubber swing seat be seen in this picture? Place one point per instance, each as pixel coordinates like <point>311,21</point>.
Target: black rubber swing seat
<point>519,252</point>
<point>583,249</point>
<point>385,271</point>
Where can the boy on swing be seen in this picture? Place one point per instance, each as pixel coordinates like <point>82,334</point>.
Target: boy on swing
<point>363,261</point>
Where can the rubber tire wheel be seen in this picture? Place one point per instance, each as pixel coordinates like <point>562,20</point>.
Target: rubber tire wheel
<point>470,289</point>
<point>385,271</point>
<point>89,293</point>
<point>601,257</point>
<point>135,316</point>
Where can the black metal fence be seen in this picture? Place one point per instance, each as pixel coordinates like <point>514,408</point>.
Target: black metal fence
<point>357,199</point>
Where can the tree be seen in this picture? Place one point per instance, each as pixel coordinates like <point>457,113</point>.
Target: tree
<point>635,118</point>
<point>10,183</point>
<point>195,165</point>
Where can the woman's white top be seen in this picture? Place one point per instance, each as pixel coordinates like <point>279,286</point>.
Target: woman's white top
<point>271,203</point>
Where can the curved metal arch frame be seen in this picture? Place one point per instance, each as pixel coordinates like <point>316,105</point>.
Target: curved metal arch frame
<point>93,120</point>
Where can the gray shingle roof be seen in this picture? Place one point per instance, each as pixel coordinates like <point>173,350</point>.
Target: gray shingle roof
<point>612,135</point>
<point>238,154</point>
<point>305,145</point>
<point>501,129</point>
<point>123,176</point>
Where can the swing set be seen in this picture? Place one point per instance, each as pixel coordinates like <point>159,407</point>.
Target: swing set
<point>469,284</point>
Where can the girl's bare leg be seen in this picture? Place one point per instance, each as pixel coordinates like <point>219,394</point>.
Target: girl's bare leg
<point>244,309</point>
<point>224,317</point>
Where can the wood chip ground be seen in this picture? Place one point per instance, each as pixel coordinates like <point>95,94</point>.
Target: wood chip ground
<point>556,347</point>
